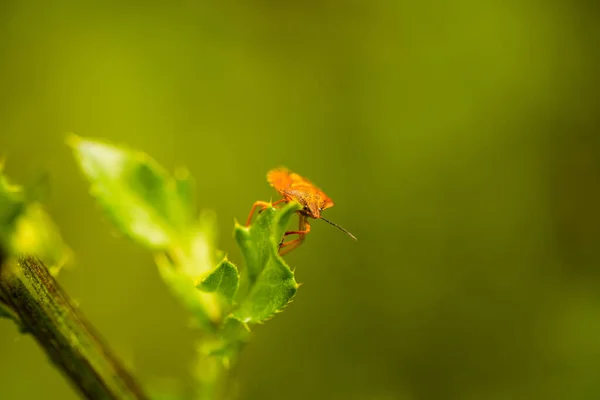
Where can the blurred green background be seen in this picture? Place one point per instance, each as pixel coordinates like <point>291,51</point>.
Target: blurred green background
<point>459,141</point>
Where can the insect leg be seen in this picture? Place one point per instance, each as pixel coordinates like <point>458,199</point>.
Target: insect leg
<point>256,204</point>
<point>279,202</point>
<point>303,229</point>
<point>262,204</point>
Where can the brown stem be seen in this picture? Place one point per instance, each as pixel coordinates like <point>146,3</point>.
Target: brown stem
<point>45,311</point>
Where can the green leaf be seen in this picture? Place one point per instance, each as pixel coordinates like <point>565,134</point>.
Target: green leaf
<point>36,233</point>
<point>12,206</point>
<point>200,304</point>
<point>223,280</point>
<point>26,228</point>
<point>197,252</point>
<point>233,336</point>
<point>271,281</point>
<point>157,210</point>
<point>144,201</point>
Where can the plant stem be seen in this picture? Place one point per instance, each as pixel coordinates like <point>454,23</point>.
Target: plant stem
<point>45,311</point>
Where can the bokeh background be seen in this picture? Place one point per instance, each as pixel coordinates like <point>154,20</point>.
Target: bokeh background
<point>458,139</point>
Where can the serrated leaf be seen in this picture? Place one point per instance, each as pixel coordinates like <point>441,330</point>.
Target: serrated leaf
<point>271,281</point>
<point>144,201</point>
<point>223,280</point>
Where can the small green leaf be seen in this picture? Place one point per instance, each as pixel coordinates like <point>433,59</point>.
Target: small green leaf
<point>224,280</point>
<point>144,201</point>
<point>26,228</point>
<point>36,233</point>
<point>255,242</point>
<point>271,281</point>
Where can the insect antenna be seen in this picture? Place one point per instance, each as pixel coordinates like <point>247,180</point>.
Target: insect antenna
<point>340,228</point>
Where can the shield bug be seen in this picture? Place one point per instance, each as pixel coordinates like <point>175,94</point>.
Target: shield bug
<point>294,187</point>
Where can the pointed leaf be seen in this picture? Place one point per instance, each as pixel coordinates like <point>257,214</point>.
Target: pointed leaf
<point>156,209</point>
<point>138,195</point>
<point>256,242</point>
<point>271,281</point>
<point>223,280</point>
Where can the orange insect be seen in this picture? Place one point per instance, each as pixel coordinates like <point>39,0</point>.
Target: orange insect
<point>293,187</point>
